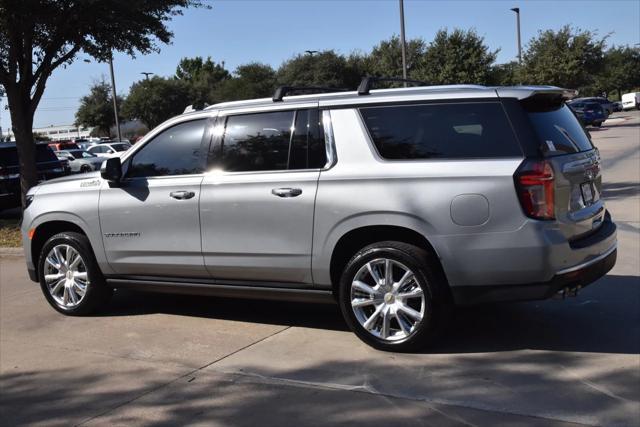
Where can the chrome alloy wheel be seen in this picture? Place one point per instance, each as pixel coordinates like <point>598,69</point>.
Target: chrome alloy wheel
<point>65,274</point>
<point>387,299</point>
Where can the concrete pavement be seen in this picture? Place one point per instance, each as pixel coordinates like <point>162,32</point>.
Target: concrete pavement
<point>163,359</point>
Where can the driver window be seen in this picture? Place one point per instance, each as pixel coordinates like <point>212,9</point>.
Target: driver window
<point>175,151</point>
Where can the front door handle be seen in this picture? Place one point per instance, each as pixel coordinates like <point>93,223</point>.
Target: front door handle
<point>286,192</point>
<point>182,195</point>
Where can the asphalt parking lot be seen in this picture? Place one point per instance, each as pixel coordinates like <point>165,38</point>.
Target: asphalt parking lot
<point>176,360</point>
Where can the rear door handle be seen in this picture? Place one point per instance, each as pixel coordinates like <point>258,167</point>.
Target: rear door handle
<point>286,192</point>
<point>182,195</point>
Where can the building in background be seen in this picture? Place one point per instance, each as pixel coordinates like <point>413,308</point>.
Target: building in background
<point>58,132</point>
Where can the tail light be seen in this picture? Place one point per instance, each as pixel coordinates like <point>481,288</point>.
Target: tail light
<point>535,186</point>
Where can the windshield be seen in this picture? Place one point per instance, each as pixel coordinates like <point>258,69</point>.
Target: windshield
<point>559,131</point>
<point>80,154</point>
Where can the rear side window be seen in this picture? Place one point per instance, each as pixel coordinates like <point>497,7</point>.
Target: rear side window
<point>271,141</point>
<point>559,131</point>
<point>9,155</point>
<point>441,131</point>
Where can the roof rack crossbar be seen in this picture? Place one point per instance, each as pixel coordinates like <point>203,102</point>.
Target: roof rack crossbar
<point>365,85</point>
<point>282,91</point>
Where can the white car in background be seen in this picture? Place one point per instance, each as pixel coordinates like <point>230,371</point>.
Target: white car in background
<point>631,101</point>
<point>111,149</point>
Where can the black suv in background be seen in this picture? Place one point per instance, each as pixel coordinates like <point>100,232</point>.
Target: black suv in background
<point>47,164</point>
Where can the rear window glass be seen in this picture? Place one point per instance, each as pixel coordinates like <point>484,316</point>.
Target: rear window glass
<point>559,131</point>
<point>441,131</point>
<point>9,155</point>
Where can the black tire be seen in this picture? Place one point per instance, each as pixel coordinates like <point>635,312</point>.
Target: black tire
<point>85,169</point>
<point>597,125</point>
<point>429,278</point>
<point>97,293</point>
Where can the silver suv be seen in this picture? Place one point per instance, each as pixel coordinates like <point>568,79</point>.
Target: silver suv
<point>397,203</point>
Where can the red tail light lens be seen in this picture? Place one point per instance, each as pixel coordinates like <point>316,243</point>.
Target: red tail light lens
<point>535,185</point>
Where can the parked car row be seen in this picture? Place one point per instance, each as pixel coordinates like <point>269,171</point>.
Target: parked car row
<point>48,166</point>
<point>53,160</point>
<point>589,113</point>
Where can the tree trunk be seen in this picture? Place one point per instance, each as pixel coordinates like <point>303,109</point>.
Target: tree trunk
<point>22,124</point>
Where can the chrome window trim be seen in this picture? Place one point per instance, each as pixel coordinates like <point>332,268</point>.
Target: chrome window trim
<point>329,141</point>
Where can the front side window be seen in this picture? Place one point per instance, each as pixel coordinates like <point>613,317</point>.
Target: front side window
<point>441,131</point>
<point>175,151</point>
<point>272,141</point>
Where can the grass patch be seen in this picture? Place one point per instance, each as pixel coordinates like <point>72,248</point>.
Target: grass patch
<point>10,233</point>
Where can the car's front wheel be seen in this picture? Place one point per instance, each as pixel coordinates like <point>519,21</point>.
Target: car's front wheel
<point>392,296</point>
<point>69,275</point>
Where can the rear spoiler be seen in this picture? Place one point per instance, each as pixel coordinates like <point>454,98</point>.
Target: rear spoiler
<point>524,92</point>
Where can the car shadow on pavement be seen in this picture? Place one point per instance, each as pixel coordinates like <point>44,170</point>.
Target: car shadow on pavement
<point>373,390</point>
<point>620,190</point>
<point>604,318</point>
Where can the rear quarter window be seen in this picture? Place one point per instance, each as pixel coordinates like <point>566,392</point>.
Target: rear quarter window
<point>441,131</point>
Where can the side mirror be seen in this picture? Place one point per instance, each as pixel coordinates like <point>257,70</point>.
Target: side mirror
<point>111,169</point>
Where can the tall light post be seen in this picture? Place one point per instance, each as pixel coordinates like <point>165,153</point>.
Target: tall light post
<point>311,52</point>
<point>147,74</point>
<point>404,44</point>
<point>517,11</point>
<point>113,95</point>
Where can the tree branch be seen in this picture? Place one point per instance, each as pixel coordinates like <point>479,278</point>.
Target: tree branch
<point>43,74</point>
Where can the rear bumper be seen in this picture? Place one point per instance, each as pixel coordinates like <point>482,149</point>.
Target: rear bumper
<point>573,278</point>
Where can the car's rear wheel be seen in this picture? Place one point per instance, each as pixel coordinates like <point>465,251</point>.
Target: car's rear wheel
<point>69,275</point>
<point>392,297</point>
<point>85,168</point>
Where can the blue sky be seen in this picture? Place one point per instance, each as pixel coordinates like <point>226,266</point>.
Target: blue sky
<point>237,32</point>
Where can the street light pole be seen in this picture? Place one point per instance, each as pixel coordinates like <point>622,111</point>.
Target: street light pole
<point>402,41</point>
<point>147,74</point>
<point>517,11</point>
<point>113,95</point>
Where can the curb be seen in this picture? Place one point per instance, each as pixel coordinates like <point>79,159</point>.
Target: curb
<point>11,252</point>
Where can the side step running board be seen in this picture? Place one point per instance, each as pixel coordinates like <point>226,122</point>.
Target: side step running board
<point>229,291</point>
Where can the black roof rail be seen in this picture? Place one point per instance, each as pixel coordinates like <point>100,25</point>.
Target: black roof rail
<point>282,91</point>
<point>366,83</point>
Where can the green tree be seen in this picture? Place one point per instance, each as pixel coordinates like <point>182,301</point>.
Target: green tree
<point>457,57</point>
<point>385,59</point>
<point>325,68</point>
<point>506,74</point>
<point>96,109</point>
<point>621,71</point>
<point>249,81</point>
<point>38,36</point>
<point>569,58</point>
<point>202,76</point>
<point>155,100</point>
